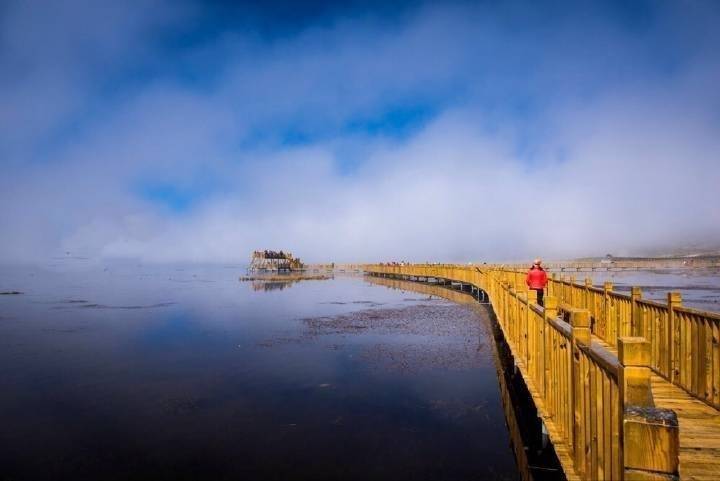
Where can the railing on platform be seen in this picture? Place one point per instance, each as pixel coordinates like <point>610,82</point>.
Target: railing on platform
<point>597,404</point>
<point>619,264</point>
<point>684,342</point>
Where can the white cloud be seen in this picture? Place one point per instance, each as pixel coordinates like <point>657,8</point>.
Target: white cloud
<point>623,159</point>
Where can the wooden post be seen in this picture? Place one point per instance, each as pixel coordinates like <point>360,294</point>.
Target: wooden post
<point>529,330</point>
<point>532,296</point>
<point>550,312</point>
<point>506,306</point>
<point>651,439</point>
<point>519,320</point>
<point>588,285</point>
<point>636,328</point>
<point>674,300</point>
<point>607,317</point>
<point>511,311</point>
<point>634,355</point>
<point>580,322</point>
<point>521,323</point>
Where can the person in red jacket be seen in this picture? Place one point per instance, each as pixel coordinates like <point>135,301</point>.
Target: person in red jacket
<point>537,280</point>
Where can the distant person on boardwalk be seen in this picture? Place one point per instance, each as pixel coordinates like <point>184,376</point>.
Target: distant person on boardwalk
<point>537,280</point>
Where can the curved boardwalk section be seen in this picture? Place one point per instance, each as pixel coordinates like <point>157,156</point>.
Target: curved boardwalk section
<point>627,388</point>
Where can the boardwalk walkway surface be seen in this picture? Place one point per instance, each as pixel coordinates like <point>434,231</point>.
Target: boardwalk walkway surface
<point>627,389</point>
<point>699,428</point>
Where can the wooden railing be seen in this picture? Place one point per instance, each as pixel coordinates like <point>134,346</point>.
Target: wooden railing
<point>595,403</point>
<point>684,342</point>
<point>707,261</point>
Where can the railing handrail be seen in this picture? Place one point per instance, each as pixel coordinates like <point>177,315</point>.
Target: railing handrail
<point>561,326</point>
<point>698,312</point>
<point>604,358</point>
<point>652,303</point>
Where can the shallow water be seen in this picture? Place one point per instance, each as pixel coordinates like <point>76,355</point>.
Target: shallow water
<point>136,372</point>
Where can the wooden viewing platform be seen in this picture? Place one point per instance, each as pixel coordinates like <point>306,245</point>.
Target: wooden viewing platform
<point>627,388</point>
<point>274,261</point>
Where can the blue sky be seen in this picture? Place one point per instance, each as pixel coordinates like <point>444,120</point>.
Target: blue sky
<point>199,131</point>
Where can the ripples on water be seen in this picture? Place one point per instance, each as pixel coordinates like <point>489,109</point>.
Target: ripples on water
<point>185,373</point>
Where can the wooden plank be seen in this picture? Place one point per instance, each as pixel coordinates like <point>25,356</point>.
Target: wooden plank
<point>695,347</point>
<point>616,422</point>
<point>708,361</point>
<point>569,392</point>
<point>600,424</point>
<point>589,419</point>
<point>688,354</point>
<point>594,422</point>
<point>716,363</point>
<point>699,430</point>
<point>607,426</point>
<point>700,356</point>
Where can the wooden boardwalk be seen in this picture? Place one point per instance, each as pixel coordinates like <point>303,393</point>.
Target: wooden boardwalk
<point>699,426</point>
<point>699,430</point>
<point>627,389</point>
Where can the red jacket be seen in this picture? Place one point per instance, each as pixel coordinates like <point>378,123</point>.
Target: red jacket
<point>536,278</point>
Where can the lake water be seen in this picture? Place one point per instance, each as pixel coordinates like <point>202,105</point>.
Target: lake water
<point>136,372</point>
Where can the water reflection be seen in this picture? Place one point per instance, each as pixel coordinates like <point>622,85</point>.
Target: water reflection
<point>185,373</point>
<point>278,282</point>
<point>271,285</point>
